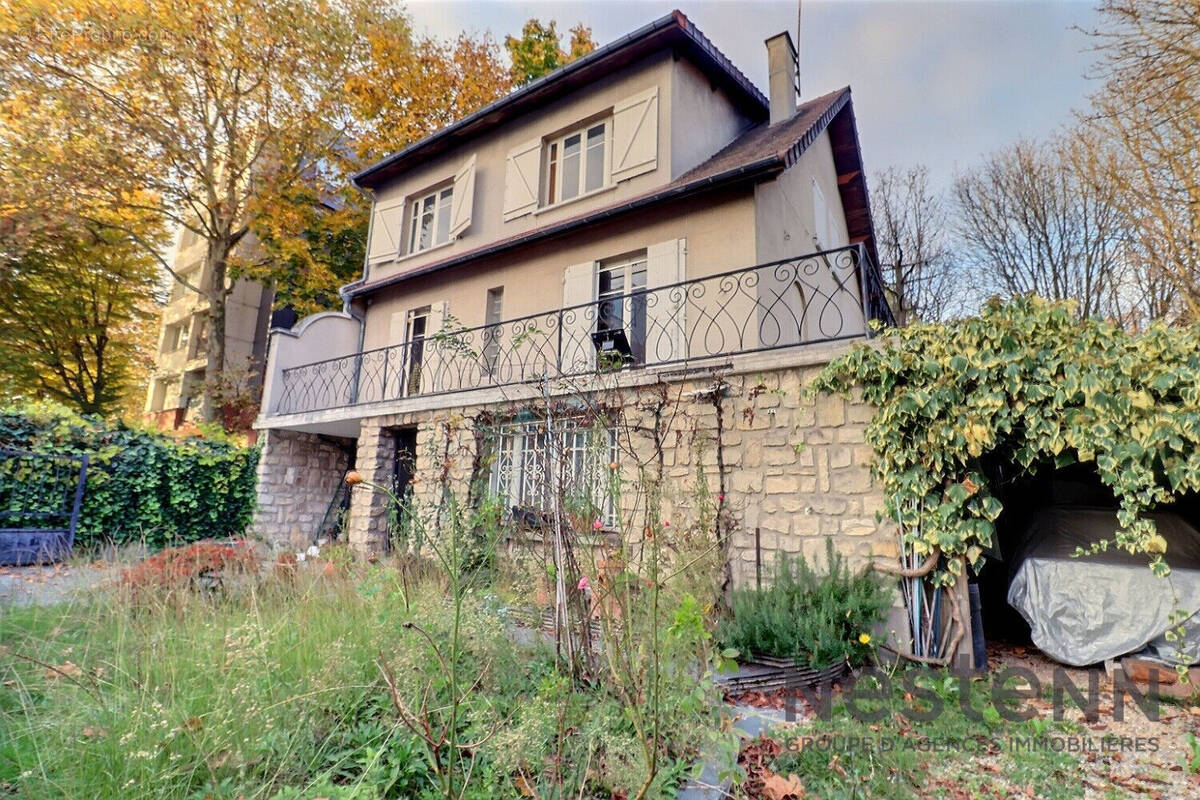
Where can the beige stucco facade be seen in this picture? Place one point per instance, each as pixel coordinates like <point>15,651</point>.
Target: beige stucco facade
<point>693,120</point>
<point>720,236</point>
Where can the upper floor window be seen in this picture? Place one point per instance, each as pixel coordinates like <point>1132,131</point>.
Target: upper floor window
<point>619,143</point>
<point>406,225</point>
<point>492,333</point>
<point>175,337</point>
<point>179,289</point>
<point>577,163</point>
<point>429,222</point>
<point>200,338</point>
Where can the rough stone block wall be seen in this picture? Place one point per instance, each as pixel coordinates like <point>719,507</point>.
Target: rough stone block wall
<point>795,468</point>
<point>298,475</point>
<point>791,466</point>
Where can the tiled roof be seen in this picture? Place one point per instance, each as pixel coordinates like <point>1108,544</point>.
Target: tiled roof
<point>785,141</point>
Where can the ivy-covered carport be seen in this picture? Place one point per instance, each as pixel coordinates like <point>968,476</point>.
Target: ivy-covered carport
<point>980,420</point>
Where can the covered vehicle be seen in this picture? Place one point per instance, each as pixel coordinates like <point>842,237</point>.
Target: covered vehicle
<point>1085,609</point>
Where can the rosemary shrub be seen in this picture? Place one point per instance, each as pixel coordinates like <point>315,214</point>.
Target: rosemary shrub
<point>817,618</point>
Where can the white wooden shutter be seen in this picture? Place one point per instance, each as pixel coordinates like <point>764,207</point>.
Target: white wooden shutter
<point>437,317</point>
<point>387,225</point>
<point>397,327</point>
<point>666,325</point>
<point>381,375</point>
<point>579,287</point>
<point>635,135</point>
<point>521,173</point>
<point>463,198</point>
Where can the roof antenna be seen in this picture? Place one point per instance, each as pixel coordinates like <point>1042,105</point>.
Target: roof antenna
<point>799,21</point>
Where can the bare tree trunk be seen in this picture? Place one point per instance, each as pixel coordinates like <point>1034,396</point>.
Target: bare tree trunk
<point>217,267</point>
<point>910,224</point>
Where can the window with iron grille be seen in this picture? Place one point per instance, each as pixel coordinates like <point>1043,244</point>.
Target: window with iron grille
<point>531,467</point>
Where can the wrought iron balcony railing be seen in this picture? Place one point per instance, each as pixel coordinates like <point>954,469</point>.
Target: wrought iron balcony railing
<point>821,297</point>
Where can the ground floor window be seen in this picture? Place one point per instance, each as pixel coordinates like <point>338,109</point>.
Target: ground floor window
<point>531,467</point>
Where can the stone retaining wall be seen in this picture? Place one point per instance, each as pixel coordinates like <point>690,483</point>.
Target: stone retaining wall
<point>794,468</point>
<point>298,475</point>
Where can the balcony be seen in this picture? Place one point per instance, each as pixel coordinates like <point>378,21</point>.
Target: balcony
<point>823,297</point>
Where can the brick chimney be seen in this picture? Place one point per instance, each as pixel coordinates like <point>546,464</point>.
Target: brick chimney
<point>782,76</point>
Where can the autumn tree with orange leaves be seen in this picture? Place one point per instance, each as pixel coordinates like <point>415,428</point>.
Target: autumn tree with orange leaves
<point>538,50</point>
<point>239,122</point>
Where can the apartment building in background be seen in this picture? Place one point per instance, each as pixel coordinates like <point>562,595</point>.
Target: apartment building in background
<point>176,396</point>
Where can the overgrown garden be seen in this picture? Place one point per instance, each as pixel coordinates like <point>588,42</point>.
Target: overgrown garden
<point>428,673</point>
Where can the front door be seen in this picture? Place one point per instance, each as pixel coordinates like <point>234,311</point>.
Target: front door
<point>404,469</point>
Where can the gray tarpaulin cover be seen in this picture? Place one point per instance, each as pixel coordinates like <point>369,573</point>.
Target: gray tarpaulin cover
<point>1087,609</point>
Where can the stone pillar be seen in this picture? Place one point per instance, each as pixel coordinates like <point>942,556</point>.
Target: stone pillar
<point>368,524</point>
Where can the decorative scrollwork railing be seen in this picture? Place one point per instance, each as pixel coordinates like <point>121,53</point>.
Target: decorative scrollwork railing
<point>821,297</point>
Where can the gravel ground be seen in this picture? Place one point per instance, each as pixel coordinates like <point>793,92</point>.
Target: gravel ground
<point>1132,757</point>
<point>56,583</point>
<point>1157,769</point>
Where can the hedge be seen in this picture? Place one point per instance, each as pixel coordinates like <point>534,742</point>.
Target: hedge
<point>143,485</point>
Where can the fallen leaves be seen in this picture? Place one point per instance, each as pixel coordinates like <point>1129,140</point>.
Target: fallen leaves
<point>777,787</point>
<point>67,669</point>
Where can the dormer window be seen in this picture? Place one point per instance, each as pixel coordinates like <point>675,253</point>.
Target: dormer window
<point>429,220</point>
<point>577,163</point>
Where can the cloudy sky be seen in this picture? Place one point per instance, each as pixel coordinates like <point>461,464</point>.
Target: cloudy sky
<point>938,83</point>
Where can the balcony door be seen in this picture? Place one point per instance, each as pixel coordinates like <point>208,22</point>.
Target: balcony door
<point>621,302</point>
<point>639,294</point>
<point>417,329</point>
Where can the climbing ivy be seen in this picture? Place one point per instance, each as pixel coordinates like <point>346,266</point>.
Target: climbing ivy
<point>143,485</point>
<point>1029,381</point>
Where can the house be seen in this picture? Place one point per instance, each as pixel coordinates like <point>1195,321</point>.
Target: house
<point>177,394</point>
<point>642,223</point>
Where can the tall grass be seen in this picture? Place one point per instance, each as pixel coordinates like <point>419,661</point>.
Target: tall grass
<point>235,696</point>
<point>273,689</point>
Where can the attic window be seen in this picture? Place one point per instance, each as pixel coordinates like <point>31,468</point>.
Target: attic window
<point>577,163</point>
<point>429,220</point>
